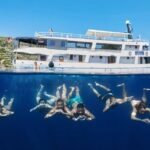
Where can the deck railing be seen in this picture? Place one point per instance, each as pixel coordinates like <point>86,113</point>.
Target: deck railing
<point>63,35</point>
<point>81,36</point>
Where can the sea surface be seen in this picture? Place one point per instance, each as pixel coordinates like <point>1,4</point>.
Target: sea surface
<point>112,130</point>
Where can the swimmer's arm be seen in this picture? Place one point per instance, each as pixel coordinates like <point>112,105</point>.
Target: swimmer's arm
<point>48,106</point>
<point>134,112</point>
<point>35,108</point>
<point>68,112</point>
<point>3,115</point>
<point>6,114</point>
<point>89,115</point>
<point>51,113</point>
<point>73,111</point>
<point>76,118</point>
<point>147,109</point>
<point>133,117</point>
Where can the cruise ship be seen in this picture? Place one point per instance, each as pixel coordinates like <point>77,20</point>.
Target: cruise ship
<point>96,52</point>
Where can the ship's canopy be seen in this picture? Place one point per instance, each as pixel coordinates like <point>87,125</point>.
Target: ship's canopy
<point>102,34</point>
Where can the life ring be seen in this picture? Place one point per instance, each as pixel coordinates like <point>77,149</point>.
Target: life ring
<point>51,64</point>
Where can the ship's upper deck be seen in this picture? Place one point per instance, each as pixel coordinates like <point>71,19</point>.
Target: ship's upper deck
<point>91,34</point>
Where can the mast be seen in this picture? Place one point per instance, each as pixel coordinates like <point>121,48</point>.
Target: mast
<point>129,29</point>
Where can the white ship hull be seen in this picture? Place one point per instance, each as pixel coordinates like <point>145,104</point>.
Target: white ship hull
<point>82,68</point>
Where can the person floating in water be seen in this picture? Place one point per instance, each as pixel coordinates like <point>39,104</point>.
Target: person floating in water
<point>41,102</point>
<point>140,107</point>
<point>60,104</point>
<point>5,110</point>
<point>78,110</point>
<point>109,97</point>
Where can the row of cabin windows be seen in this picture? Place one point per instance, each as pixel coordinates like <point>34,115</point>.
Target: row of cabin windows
<point>81,58</point>
<point>104,59</point>
<point>108,46</point>
<point>136,47</point>
<point>62,44</point>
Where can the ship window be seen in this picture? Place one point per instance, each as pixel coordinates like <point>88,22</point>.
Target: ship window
<point>96,59</point>
<point>145,47</point>
<point>127,60</point>
<point>108,46</point>
<point>80,45</point>
<point>43,58</point>
<point>71,44</point>
<point>84,45</point>
<point>52,43</point>
<point>63,44</point>
<point>41,43</point>
<point>144,60</point>
<point>132,47</point>
<point>80,58</point>
<point>61,58</point>
<point>111,59</point>
<point>31,42</point>
<point>71,57</point>
<point>23,56</point>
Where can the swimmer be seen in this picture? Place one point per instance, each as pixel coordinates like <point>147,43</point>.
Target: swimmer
<point>5,110</point>
<point>140,107</point>
<point>42,103</point>
<point>60,104</point>
<point>110,99</point>
<point>79,112</point>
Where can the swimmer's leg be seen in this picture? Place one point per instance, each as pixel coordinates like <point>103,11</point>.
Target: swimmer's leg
<point>38,97</point>
<point>124,93</point>
<point>94,90</point>
<point>9,106</point>
<point>71,91</point>
<point>2,100</point>
<point>64,92</point>
<point>77,91</point>
<point>144,98</point>
<point>58,91</point>
<point>107,106</point>
<point>102,86</point>
<point>50,96</point>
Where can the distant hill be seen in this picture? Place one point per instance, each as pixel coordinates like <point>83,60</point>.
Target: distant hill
<point>6,47</point>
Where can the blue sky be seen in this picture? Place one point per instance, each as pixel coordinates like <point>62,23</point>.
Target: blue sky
<point>25,17</point>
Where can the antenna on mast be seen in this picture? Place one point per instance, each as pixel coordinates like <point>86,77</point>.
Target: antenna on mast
<point>129,29</point>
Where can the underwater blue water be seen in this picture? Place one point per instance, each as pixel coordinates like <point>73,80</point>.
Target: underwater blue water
<point>112,130</point>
